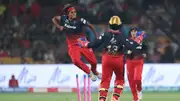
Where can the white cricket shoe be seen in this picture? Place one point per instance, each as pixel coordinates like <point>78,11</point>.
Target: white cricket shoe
<point>99,75</point>
<point>140,95</point>
<point>92,76</point>
<point>113,99</point>
<point>101,100</point>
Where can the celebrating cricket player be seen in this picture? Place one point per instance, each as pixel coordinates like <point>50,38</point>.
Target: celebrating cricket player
<point>73,28</point>
<point>135,61</point>
<point>112,59</point>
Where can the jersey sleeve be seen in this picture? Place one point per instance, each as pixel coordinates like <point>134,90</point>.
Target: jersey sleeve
<point>62,20</point>
<point>130,45</point>
<point>83,21</point>
<point>97,42</point>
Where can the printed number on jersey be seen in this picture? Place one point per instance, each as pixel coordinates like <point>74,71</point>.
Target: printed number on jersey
<point>112,48</point>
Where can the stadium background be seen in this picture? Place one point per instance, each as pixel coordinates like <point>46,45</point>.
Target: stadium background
<point>27,36</point>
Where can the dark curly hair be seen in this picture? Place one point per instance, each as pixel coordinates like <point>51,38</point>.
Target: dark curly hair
<point>132,28</point>
<point>66,7</point>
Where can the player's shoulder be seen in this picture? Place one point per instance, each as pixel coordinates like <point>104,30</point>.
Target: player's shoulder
<point>64,17</point>
<point>83,20</point>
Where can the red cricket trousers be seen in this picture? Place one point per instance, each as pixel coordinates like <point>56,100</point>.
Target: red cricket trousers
<point>134,73</point>
<point>75,52</point>
<point>111,64</point>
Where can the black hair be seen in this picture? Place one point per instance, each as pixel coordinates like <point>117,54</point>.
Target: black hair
<point>132,28</point>
<point>115,26</point>
<point>66,7</point>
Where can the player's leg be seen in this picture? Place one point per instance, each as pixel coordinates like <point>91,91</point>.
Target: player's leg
<point>75,54</point>
<point>106,78</point>
<point>138,77</point>
<point>119,80</point>
<point>130,75</point>
<point>91,58</point>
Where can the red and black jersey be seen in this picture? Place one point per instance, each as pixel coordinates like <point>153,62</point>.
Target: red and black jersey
<point>73,29</point>
<point>138,52</point>
<point>113,42</point>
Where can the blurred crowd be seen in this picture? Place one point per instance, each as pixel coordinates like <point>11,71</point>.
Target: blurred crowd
<point>27,34</point>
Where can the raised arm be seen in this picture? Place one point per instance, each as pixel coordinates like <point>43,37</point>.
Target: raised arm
<point>92,28</point>
<point>86,23</point>
<point>56,21</point>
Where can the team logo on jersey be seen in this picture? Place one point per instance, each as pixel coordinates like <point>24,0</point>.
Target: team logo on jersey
<point>113,40</point>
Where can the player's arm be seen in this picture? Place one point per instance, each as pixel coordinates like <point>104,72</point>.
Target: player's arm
<point>92,28</point>
<point>96,43</point>
<point>85,22</point>
<point>138,45</point>
<point>56,21</point>
<point>130,45</point>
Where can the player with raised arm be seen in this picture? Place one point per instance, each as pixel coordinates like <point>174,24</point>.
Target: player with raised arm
<point>135,61</point>
<point>73,28</point>
<point>112,59</point>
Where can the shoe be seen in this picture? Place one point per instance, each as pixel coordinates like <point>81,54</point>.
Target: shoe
<point>139,95</point>
<point>113,99</point>
<point>92,76</point>
<point>101,100</point>
<point>99,75</point>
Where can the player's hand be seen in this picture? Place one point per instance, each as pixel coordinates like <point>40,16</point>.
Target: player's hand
<point>143,32</point>
<point>60,28</point>
<point>144,55</point>
<point>83,43</point>
<point>139,39</point>
<point>129,52</point>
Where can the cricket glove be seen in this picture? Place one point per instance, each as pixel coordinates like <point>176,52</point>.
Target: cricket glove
<point>140,38</point>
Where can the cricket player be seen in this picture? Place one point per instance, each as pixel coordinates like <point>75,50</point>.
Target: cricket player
<point>135,61</point>
<point>112,60</point>
<point>73,28</point>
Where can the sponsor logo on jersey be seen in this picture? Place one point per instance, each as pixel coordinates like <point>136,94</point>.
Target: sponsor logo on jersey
<point>69,26</point>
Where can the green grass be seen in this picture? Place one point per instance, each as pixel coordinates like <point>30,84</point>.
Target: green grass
<point>156,96</point>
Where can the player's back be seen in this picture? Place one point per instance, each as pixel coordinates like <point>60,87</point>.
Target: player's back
<point>116,42</point>
<point>112,42</point>
<point>73,29</point>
